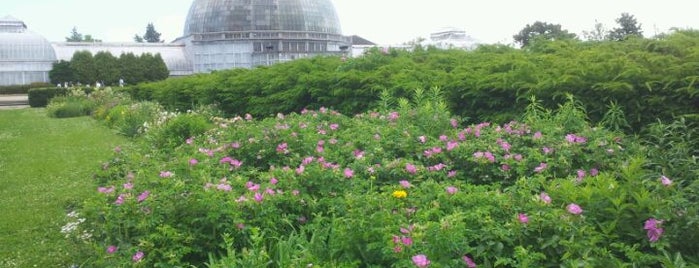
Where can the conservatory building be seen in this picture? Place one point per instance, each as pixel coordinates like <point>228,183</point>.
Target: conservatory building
<point>218,34</point>
<point>25,57</point>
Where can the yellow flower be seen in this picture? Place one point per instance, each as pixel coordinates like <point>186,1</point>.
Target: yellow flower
<point>400,194</point>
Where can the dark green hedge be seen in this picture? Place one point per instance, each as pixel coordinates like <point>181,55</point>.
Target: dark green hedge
<point>40,97</point>
<point>648,79</point>
<point>21,89</point>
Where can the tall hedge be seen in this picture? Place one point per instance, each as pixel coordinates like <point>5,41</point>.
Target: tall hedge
<point>648,79</point>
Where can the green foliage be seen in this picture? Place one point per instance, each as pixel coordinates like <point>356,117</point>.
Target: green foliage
<point>21,89</point>
<point>646,79</point>
<point>75,36</point>
<point>628,28</point>
<point>151,35</point>
<point>175,130</point>
<point>541,31</point>
<point>40,97</point>
<point>61,72</point>
<point>72,105</point>
<point>84,67</point>
<point>320,188</point>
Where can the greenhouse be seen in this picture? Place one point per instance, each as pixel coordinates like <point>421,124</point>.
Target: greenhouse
<point>25,57</point>
<point>223,34</point>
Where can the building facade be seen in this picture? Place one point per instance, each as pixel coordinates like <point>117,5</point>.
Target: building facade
<point>218,34</point>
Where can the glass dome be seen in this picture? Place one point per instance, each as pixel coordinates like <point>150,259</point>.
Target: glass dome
<point>25,57</point>
<point>220,16</point>
<point>18,44</point>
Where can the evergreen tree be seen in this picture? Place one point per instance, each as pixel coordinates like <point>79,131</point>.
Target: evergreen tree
<point>83,65</point>
<point>137,38</point>
<point>131,69</point>
<point>542,30</point>
<point>61,72</point>
<point>151,36</point>
<point>75,36</point>
<point>107,68</point>
<point>628,27</point>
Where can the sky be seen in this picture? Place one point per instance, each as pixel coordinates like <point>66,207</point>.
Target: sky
<point>385,22</point>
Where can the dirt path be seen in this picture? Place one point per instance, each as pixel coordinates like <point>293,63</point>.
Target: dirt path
<point>14,101</point>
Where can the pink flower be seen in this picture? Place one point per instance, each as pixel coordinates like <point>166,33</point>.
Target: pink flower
<point>393,116</point>
<point>248,117</point>
<point>523,218</point>
<point>138,256</point>
<point>469,262</point>
<point>505,167</point>
<point>406,241</point>
<point>189,140</point>
<point>537,135</point>
<point>422,139</point>
<point>348,173</point>
<point>120,199</point>
<point>410,168</point>
<point>451,174</point>
<point>404,184</point>
<point>574,209</point>
<point>545,197</point>
<point>581,175</point>
<point>359,154</point>
<point>273,181</point>
<point>594,172</point>
<point>452,190</point>
<point>300,169</point>
<point>454,123</point>
<point>320,149</point>
<point>653,231</point>
<point>451,145</point>
<point>258,197</point>
<point>665,180</point>
<point>307,160</point>
<point>235,145</point>
<point>570,138</point>
<point>106,190</point>
<point>295,192</point>
<point>111,249</point>
<point>506,146</point>
<point>193,162</point>
<point>283,148</point>
<point>542,166</point>
<point>421,260</point>
<point>547,150</point>
<point>224,187</point>
<point>443,137</point>
<point>518,157</point>
<point>143,196</point>
<point>397,249</point>
<point>166,174</point>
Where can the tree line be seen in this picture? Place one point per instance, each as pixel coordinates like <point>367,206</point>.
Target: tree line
<point>105,68</point>
<point>628,27</point>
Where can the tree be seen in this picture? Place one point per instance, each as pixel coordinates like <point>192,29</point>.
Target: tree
<point>137,38</point>
<point>154,66</point>
<point>83,65</point>
<point>599,33</point>
<point>107,68</point>
<point>628,27</point>
<point>541,30</point>
<point>151,36</point>
<point>75,36</point>
<point>131,69</point>
<point>61,72</point>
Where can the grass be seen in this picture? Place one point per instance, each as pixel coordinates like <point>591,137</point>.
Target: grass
<point>46,167</point>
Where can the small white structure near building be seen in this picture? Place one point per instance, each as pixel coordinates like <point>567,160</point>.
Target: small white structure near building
<point>450,37</point>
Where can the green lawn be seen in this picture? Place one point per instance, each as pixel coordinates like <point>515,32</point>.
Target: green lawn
<point>46,165</point>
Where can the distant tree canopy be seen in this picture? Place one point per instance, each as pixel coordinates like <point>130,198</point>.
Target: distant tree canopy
<point>151,35</point>
<point>628,27</point>
<point>75,36</point>
<point>541,30</point>
<point>108,69</point>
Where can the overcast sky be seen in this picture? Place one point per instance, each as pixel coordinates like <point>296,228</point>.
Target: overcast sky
<point>381,21</point>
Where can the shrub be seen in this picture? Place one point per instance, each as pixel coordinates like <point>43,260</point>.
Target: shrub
<point>179,128</point>
<point>40,97</point>
<point>379,188</point>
